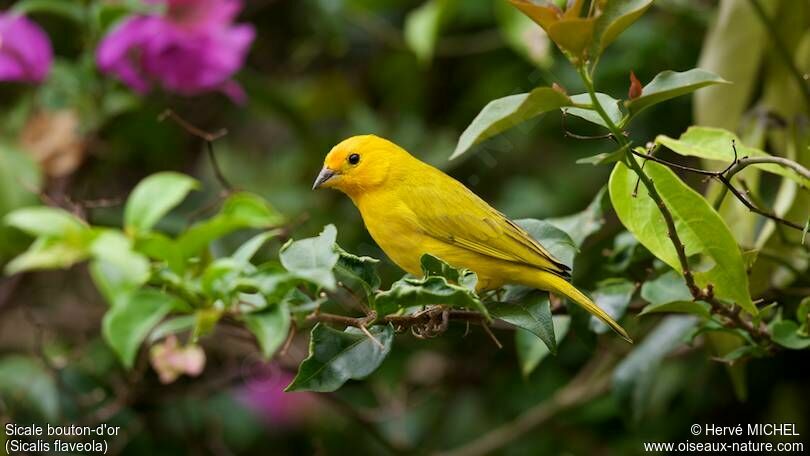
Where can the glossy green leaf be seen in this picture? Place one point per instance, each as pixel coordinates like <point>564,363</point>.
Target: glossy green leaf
<point>803,316</point>
<point>126,325</point>
<point>270,326</point>
<point>556,241</point>
<point>504,113</point>
<point>671,84</point>
<point>609,104</point>
<point>531,350</point>
<point>699,227</point>
<point>358,273</point>
<point>154,197</point>
<point>787,334</point>
<point>533,315</point>
<point>581,225</point>
<point>25,384</point>
<point>613,296</point>
<point>46,221</point>
<point>434,266</point>
<point>634,376</point>
<point>240,211</point>
<point>313,258</point>
<point>715,144</point>
<point>615,18</point>
<point>433,290</point>
<point>338,356</point>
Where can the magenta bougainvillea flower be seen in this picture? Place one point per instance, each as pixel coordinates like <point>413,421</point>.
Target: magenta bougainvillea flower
<point>192,48</point>
<point>25,50</point>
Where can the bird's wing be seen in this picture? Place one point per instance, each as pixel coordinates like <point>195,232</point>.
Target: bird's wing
<point>454,214</point>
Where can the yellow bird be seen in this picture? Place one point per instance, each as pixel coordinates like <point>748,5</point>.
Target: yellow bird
<point>411,208</point>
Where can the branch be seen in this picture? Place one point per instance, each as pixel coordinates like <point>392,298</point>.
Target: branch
<point>733,168</point>
<point>206,136</point>
<point>697,293</point>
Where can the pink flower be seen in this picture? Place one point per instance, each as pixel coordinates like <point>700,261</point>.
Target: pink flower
<point>192,48</point>
<point>170,360</point>
<point>264,395</point>
<point>25,50</point>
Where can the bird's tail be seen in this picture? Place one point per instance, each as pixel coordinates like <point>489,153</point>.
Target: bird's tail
<point>557,284</point>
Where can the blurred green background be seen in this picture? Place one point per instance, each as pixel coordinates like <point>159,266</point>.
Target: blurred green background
<point>319,71</point>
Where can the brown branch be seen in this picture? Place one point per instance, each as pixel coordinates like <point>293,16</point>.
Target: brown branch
<point>733,168</point>
<point>206,136</point>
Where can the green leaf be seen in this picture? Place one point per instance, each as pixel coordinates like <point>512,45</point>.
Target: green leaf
<point>634,376</point>
<point>162,248</point>
<point>153,198</point>
<point>422,27</point>
<point>699,227</point>
<point>270,326</point>
<point>671,84</point>
<point>240,211</point>
<point>534,316</point>
<point>47,253</point>
<point>434,266</point>
<point>604,158</point>
<point>668,287</point>
<point>787,334</point>
<point>47,221</point>
<point>125,326</point>
<point>358,272</point>
<point>433,290</point>
<point>246,251</point>
<point>581,225</point>
<point>609,104</point>
<point>715,144</point>
<point>117,270</point>
<point>531,350</point>
<point>336,357</point>
<point>70,10</point>
<point>556,241</point>
<point>613,296</point>
<point>504,113</point>
<point>173,326</point>
<point>26,384</point>
<point>615,18</point>
<point>313,258</point>
<point>698,308</point>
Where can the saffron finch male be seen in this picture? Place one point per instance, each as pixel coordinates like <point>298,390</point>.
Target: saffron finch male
<point>411,208</point>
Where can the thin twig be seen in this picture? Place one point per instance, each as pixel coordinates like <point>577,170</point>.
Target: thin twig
<point>206,136</point>
<point>725,175</point>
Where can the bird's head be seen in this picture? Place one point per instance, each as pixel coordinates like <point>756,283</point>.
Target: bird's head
<point>359,164</point>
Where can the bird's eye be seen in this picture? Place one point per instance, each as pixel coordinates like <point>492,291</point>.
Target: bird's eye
<point>354,159</point>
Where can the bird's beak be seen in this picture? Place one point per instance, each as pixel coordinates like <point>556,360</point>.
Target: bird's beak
<point>324,176</point>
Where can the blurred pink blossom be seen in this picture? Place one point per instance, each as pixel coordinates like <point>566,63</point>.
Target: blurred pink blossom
<point>25,50</point>
<point>170,361</point>
<point>264,395</point>
<point>192,48</point>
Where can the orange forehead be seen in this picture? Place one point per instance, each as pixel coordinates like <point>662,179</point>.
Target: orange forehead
<point>336,158</point>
